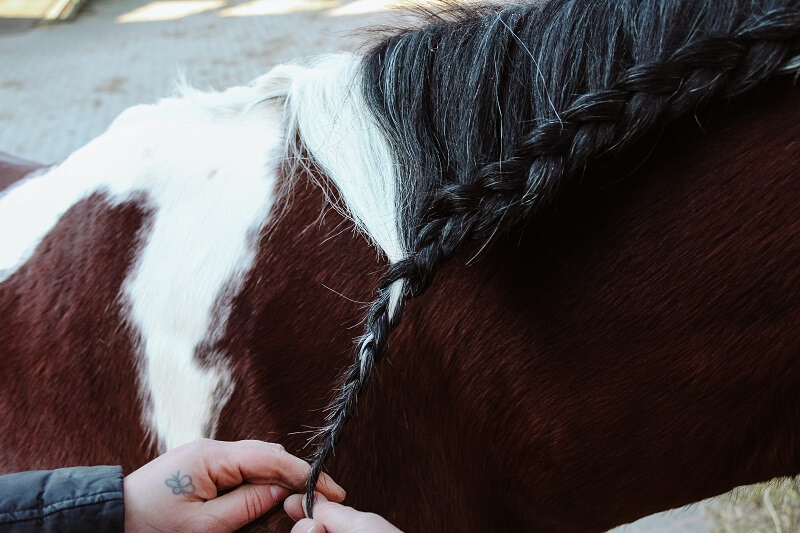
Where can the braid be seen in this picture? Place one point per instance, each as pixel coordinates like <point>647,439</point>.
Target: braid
<point>505,193</point>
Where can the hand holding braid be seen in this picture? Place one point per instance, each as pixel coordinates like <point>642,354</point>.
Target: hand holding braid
<point>501,194</point>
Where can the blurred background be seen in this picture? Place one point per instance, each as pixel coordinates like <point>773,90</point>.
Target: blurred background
<point>61,84</point>
<point>69,67</point>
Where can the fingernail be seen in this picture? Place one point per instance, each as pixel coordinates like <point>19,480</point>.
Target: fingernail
<point>340,491</point>
<point>313,529</point>
<point>328,482</point>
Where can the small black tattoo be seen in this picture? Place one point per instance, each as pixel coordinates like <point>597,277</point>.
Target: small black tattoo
<point>180,484</point>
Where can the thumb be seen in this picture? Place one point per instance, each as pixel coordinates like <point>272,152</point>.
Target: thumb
<point>306,525</point>
<point>244,504</point>
<point>342,519</point>
<point>335,517</point>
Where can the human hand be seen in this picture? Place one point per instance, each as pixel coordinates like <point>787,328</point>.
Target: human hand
<point>214,486</point>
<point>331,517</point>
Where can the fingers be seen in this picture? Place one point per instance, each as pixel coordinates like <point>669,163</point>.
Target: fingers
<point>256,462</point>
<point>328,487</point>
<point>244,504</point>
<point>336,518</point>
<point>293,505</point>
<point>306,525</point>
<point>256,475</point>
<point>263,463</point>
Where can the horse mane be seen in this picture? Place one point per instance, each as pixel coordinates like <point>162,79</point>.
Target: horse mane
<point>487,114</point>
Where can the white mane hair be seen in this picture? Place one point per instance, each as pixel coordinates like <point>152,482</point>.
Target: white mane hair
<point>325,111</point>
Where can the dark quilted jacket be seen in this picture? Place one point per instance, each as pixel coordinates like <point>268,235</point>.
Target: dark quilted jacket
<point>68,499</point>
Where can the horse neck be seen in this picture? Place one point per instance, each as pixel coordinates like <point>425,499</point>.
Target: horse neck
<point>642,338</point>
<point>608,346</point>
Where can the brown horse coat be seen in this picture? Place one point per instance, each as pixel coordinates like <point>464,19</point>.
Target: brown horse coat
<point>633,351</point>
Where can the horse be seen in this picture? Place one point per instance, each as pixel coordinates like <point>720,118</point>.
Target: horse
<point>594,203</point>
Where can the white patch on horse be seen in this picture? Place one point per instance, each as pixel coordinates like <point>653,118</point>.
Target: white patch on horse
<point>205,165</point>
<point>327,111</point>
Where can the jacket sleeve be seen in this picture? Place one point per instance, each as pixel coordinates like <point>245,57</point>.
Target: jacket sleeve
<point>68,499</point>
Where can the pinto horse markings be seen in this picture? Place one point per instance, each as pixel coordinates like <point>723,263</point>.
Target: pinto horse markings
<point>175,278</point>
<point>203,210</point>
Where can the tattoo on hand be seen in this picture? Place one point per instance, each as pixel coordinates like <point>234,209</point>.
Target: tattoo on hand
<point>180,484</point>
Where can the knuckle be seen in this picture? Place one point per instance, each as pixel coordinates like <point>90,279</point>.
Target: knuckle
<point>259,444</point>
<point>256,504</point>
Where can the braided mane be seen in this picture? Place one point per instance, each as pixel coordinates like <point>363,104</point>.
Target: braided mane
<point>489,115</point>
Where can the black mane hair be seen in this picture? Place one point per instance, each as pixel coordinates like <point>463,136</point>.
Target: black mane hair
<point>488,115</point>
